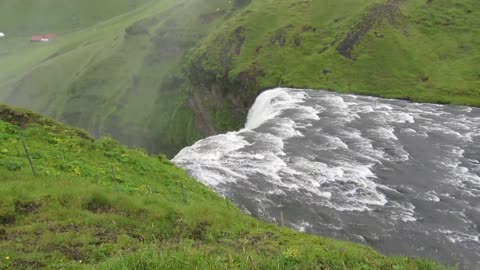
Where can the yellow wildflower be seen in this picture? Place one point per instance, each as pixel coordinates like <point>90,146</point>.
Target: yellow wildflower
<point>291,253</point>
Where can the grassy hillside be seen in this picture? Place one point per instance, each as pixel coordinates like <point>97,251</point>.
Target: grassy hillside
<point>35,17</point>
<point>419,50</point>
<point>117,76</point>
<point>163,73</point>
<point>79,213</point>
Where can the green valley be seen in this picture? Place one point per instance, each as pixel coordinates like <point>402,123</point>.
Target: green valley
<point>161,74</point>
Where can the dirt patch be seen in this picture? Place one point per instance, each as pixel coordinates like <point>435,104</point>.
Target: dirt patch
<point>279,38</point>
<point>72,252</point>
<point>3,234</point>
<point>301,4</point>
<point>24,208</point>
<point>424,79</point>
<point>7,218</point>
<point>309,28</point>
<point>98,208</point>
<point>198,233</point>
<point>297,40</point>
<point>326,71</point>
<point>103,235</point>
<point>210,17</point>
<point>390,11</point>
<point>253,240</point>
<point>102,208</point>
<point>68,228</point>
<point>137,236</point>
<point>27,264</point>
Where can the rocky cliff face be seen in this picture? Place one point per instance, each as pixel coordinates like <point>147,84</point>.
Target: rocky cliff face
<point>221,103</point>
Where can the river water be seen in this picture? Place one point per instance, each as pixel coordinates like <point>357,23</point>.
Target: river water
<point>401,177</point>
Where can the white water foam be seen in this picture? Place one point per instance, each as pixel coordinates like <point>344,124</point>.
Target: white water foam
<point>455,236</point>
<point>270,104</point>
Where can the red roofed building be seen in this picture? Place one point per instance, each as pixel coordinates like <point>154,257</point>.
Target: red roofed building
<point>44,38</point>
<point>36,38</point>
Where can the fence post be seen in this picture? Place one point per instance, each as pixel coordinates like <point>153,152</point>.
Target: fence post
<point>281,218</point>
<point>227,202</point>
<point>27,154</point>
<point>149,190</point>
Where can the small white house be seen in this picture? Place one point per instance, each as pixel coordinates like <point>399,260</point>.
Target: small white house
<point>2,35</point>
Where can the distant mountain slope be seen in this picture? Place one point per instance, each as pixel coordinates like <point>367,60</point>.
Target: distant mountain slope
<point>118,76</point>
<point>99,205</point>
<point>37,16</point>
<point>164,73</point>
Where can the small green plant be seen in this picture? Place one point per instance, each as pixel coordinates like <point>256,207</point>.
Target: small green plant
<point>11,165</point>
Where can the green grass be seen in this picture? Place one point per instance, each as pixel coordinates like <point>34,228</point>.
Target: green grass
<point>428,53</point>
<point>73,215</point>
<point>162,73</point>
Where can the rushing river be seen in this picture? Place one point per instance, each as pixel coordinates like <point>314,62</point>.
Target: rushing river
<point>401,177</point>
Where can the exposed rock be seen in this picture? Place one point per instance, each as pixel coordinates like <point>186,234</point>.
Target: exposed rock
<point>240,37</point>
<point>279,37</point>
<point>297,40</point>
<point>389,11</point>
<point>323,50</point>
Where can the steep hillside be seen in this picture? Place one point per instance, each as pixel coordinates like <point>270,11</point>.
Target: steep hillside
<point>163,73</point>
<point>99,205</point>
<point>418,50</point>
<point>117,76</point>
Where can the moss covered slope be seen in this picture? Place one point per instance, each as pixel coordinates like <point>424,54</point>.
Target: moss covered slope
<point>73,215</point>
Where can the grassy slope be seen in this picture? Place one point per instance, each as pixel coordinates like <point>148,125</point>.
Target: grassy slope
<point>126,67</point>
<point>113,76</point>
<point>413,49</point>
<point>72,215</point>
